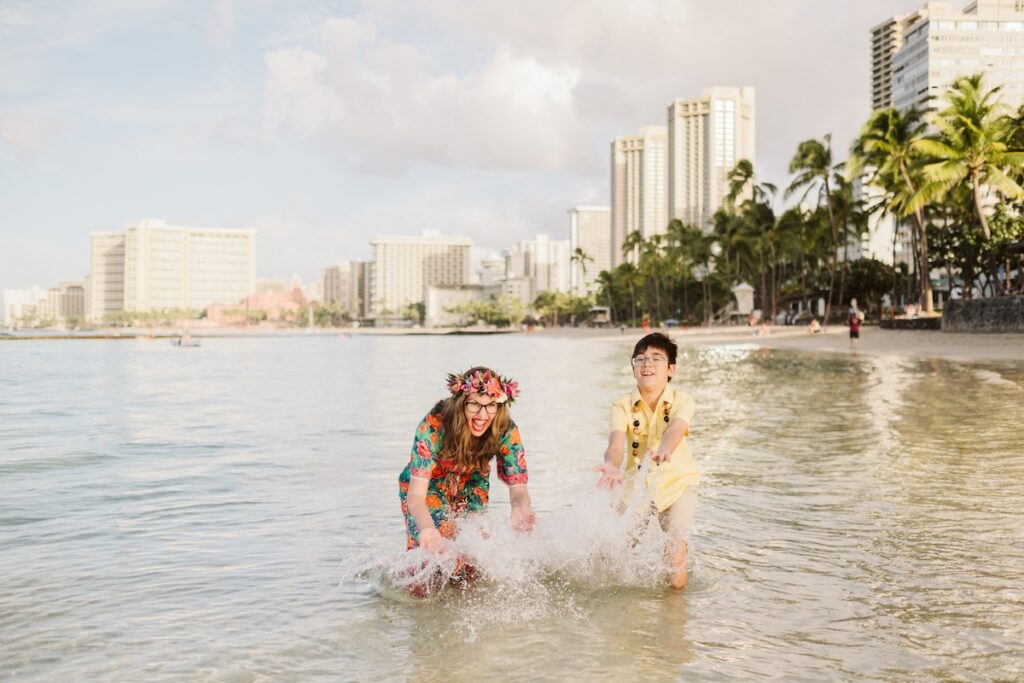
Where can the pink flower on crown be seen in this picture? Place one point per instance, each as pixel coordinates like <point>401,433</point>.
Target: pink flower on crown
<point>501,389</point>
<point>511,389</point>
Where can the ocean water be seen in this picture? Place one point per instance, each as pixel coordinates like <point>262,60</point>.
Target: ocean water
<point>230,513</point>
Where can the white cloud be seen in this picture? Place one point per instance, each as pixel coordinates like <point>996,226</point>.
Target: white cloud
<point>221,23</point>
<point>383,103</point>
<point>545,85</point>
<point>27,133</point>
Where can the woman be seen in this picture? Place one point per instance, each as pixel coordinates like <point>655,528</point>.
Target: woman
<point>448,475</point>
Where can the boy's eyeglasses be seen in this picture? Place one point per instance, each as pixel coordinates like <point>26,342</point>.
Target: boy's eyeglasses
<point>474,408</point>
<point>640,361</point>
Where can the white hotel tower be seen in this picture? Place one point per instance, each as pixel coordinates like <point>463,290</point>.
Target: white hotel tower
<point>154,266</point>
<point>916,57</point>
<point>405,266</point>
<point>706,137</point>
<point>639,186</point>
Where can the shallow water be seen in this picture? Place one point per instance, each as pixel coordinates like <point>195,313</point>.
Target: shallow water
<point>197,514</point>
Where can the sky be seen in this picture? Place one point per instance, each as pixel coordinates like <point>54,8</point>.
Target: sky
<point>322,124</point>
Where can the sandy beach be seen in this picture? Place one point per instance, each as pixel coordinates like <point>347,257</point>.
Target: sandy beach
<point>873,341</point>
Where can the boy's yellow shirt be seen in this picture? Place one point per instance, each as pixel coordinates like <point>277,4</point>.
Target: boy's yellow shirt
<point>645,427</point>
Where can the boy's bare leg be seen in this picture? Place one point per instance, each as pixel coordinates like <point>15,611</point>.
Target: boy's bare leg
<point>677,521</point>
<point>679,575</point>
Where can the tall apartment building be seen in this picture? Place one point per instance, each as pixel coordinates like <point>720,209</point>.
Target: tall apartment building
<point>706,137</point>
<point>59,304</point>
<point>348,285</point>
<point>590,232</point>
<point>404,266</point>
<point>542,261</point>
<point>154,266</point>
<point>492,270</point>
<point>886,40</point>
<point>106,274</point>
<point>914,58</point>
<point>639,186</point>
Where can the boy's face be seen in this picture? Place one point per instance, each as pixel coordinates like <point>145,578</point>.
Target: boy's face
<point>651,369</point>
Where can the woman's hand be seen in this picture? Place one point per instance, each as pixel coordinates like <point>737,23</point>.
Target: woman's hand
<point>433,542</point>
<point>611,476</point>
<point>523,518</point>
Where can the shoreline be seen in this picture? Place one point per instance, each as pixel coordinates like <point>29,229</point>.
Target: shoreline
<point>874,341</point>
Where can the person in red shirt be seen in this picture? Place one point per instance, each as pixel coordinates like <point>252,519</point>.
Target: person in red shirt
<point>854,322</point>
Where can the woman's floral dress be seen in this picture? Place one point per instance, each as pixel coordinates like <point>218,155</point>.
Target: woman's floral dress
<point>454,491</point>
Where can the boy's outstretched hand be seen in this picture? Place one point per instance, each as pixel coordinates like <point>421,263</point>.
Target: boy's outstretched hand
<point>611,476</point>
<point>658,455</point>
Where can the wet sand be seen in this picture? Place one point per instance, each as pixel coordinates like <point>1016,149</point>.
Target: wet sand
<point>873,341</point>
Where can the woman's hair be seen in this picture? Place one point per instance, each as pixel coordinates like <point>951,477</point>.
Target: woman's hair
<point>471,452</point>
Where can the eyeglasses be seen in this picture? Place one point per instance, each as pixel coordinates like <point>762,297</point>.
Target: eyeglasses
<point>474,408</point>
<point>640,361</point>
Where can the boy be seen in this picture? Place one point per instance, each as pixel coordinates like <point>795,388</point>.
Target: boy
<point>653,421</point>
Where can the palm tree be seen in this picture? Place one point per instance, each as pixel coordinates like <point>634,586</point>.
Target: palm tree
<point>581,257</point>
<point>971,145</point>
<point>887,145</point>
<point>606,281</point>
<point>813,166</point>
<point>631,245</point>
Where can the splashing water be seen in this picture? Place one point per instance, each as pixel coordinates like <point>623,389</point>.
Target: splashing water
<point>608,540</point>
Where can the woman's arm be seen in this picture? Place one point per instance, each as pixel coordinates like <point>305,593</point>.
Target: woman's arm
<point>429,537</point>
<point>522,509</point>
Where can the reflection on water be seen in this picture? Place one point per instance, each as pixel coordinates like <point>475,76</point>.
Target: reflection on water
<point>195,514</point>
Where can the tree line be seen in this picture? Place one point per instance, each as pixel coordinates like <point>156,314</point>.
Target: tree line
<point>953,176</point>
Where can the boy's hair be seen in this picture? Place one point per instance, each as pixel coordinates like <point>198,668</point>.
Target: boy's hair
<point>658,341</point>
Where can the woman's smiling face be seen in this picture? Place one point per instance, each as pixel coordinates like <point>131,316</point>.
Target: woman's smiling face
<point>480,410</point>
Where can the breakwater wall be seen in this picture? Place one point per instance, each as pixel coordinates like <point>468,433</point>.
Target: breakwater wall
<point>1002,314</point>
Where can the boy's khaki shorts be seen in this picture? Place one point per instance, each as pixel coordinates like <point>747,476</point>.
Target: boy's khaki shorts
<point>677,518</point>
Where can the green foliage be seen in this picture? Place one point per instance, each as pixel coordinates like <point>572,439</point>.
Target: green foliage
<point>158,318</point>
<point>415,312</point>
<point>502,311</point>
<point>561,308</point>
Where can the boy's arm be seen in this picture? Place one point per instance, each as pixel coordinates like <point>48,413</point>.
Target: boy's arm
<point>611,468</point>
<point>676,432</point>
<point>616,448</point>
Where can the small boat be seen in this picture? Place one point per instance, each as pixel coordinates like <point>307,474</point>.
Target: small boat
<point>184,342</point>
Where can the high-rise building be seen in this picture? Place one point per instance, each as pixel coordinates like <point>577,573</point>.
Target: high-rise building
<point>106,274</point>
<point>915,57</point>
<point>590,232</point>
<point>886,39</point>
<point>707,136</point>
<point>639,186</point>
<point>67,301</point>
<point>492,270</point>
<point>348,284</point>
<point>155,266</point>
<point>404,266</point>
<point>543,261</point>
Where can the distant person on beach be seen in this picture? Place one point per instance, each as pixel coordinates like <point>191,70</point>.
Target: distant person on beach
<point>814,327</point>
<point>854,319</point>
<point>448,475</point>
<point>649,426</point>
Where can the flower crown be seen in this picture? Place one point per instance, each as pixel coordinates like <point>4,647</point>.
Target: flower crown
<point>501,389</point>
